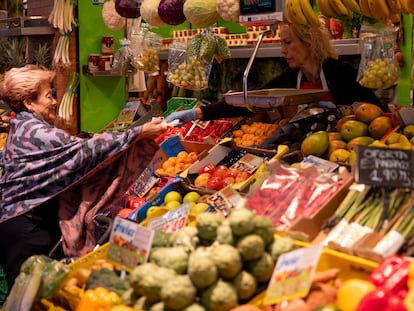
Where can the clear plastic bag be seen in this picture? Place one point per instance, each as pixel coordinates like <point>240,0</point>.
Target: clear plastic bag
<point>379,67</point>
<point>146,46</point>
<point>122,59</point>
<point>185,70</point>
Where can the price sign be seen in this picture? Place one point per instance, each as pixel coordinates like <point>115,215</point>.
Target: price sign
<point>384,167</point>
<point>171,221</point>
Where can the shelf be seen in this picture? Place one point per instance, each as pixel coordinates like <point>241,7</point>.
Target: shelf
<point>266,50</point>
<point>106,73</point>
<point>25,26</point>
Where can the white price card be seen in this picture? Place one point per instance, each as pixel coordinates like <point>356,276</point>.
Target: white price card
<point>171,221</point>
<point>129,243</point>
<point>293,273</point>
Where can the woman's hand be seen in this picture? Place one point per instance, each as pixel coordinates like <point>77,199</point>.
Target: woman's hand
<point>154,128</point>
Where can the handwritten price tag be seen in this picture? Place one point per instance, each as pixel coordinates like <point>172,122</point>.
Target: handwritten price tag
<point>171,221</point>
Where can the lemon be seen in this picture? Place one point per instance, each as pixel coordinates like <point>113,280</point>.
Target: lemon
<point>173,196</point>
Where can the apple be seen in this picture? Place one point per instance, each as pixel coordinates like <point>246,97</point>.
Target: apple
<point>215,183</point>
<point>242,176</point>
<point>207,168</point>
<point>229,180</point>
<point>202,179</point>
<point>220,171</point>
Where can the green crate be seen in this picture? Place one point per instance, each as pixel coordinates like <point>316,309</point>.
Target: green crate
<point>179,103</point>
<point>3,286</point>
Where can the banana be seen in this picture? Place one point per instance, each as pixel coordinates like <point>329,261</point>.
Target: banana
<point>353,5</point>
<point>295,12</point>
<point>379,8</point>
<point>394,6</point>
<point>404,6</point>
<point>365,9</point>
<point>325,9</point>
<point>340,9</point>
<point>309,13</point>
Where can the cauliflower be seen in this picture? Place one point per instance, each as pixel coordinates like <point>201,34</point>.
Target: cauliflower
<point>149,285</point>
<point>110,16</point>
<point>207,224</point>
<point>201,269</point>
<point>178,293</point>
<point>221,296</point>
<point>224,234</point>
<point>262,268</point>
<point>175,257</point>
<point>280,246</point>
<point>263,226</point>
<point>245,285</point>
<point>227,260</point>
<point>250,247</point>
<point>241,221</point>
<point>187,237</point>
<point>229,10</point>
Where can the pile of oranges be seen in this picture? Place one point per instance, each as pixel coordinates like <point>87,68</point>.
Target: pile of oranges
<point>255,133</point>
<point>174,165</point>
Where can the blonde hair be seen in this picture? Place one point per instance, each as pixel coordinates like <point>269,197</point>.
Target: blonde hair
<point>21,84</point>
<point>318,40</point>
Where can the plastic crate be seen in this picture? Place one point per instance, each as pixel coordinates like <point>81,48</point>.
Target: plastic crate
<point>4,289</point>
<point>179,103</point>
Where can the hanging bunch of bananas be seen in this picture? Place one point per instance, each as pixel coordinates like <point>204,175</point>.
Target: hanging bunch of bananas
<point>384,10</point>
<point>339,9</point>
<point>301,12</point>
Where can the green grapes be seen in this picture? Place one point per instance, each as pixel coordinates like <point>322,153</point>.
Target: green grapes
<point>190,75</point>
<point>380,74</point>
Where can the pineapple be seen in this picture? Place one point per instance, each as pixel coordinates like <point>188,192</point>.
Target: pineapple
<point>41,56</point>
<point>13,54</point>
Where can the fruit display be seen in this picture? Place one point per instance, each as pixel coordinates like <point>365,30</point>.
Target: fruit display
<point>255,133</point>
<point>380,74</point>
<point>190,74</point>
<point>203,131</point>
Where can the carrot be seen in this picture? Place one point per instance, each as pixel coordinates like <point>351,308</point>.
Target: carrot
<point>293,305</point>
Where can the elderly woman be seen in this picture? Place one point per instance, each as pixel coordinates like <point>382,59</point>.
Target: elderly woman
<point>54,183</point>
<point>312,64</point>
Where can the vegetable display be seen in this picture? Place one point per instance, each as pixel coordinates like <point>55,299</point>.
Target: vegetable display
<point>201,13</point>
<point>171,11</point>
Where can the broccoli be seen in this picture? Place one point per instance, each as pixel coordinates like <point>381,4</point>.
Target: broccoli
<point>175,258</point>
<point>207,224</point>
<point>178,293</point>
<point>241,221</point>
<point>225,234</point>
<point>108,279</point>
<point>262,268</point>
<point>250,247</point>
<point>280,246</point>
<point>227,260</point>
<point>263,226</point>
<point>245,284</point>
<point>201,269</point>
<point>221,296</point>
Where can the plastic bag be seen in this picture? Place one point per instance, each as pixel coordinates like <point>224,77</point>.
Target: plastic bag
<point>122,59</point>
<point>379,67</point>
<point>187,71</point>
<point>146,46</point>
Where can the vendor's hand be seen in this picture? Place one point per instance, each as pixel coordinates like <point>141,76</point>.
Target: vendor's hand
<point>154,128</point>
<point>183,116</point>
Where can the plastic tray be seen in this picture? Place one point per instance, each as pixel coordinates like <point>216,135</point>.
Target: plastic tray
<point>272,98</point>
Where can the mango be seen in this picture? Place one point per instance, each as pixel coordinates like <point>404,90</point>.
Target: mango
<point>361,140</point>
<point>353,128</point>
<point>367,112</point>
<point>336,144</point>
<point>315,144</point>
<point>393,138</point>
<point>408,131</point>
<point>340,156</point>
<point>380,126</point>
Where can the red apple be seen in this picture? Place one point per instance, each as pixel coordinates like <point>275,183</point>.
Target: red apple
<point>242,176</point>
<point>215,183</point>
<point>207,168</point>
<point>220,171</point>
<point>228,180</point>
<point>202,179</point>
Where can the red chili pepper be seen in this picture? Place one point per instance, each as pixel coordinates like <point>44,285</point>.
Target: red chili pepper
<point>398,280</point>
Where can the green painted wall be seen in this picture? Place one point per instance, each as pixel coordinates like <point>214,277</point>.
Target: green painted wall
<point>101,97</point>
<point>404,86</point>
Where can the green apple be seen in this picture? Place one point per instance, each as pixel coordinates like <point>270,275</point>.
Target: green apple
<point>173,196</point>
<point>191,196</point>
<point>199,208</point>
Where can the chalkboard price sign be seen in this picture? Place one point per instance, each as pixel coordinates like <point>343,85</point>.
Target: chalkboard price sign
<point>384,167</point>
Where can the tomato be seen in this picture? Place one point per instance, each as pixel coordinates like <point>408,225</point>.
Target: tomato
<point>135,203</point>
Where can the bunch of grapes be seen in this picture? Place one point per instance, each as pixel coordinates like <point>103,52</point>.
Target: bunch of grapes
<point>380,74</point>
